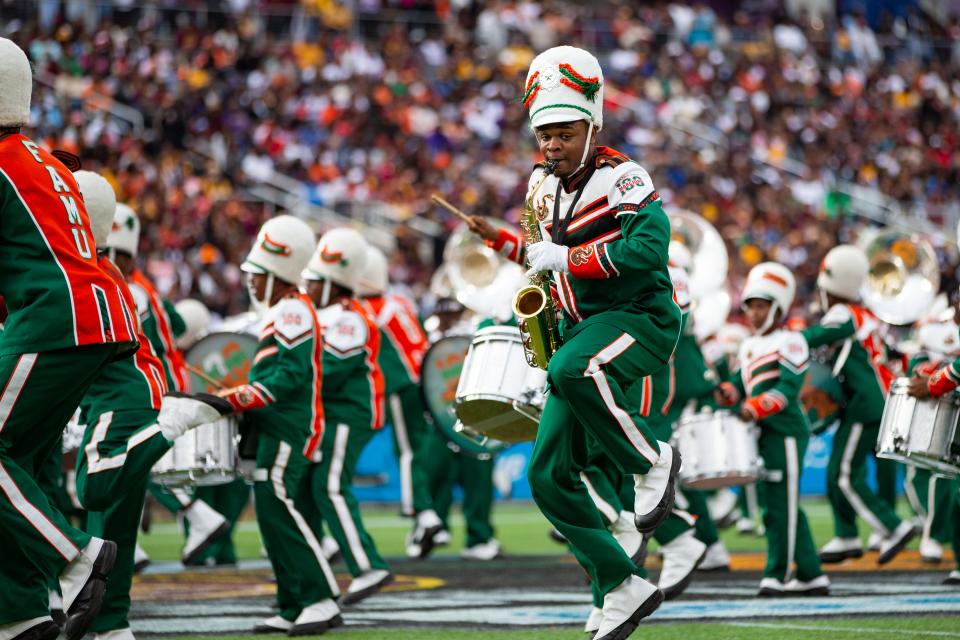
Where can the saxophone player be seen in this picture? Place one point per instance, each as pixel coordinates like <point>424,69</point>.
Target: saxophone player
<point>604,240</point>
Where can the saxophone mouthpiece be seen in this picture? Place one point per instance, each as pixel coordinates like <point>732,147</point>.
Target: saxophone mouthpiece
<point>550,166</point>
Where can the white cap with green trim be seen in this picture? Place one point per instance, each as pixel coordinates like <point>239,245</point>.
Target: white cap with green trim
<point>564,84</point>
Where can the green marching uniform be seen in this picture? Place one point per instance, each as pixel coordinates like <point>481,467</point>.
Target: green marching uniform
<point>121,443</point>
<point>445,469</point>
<point>852,330</point>
<point>66,321</point>
<point>353,406</point>
<point>772,368</point>
<point>282,402</point>
<point>620,324</point>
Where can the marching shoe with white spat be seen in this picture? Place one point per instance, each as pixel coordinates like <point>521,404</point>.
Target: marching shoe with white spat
<point>715,559</point>
<point>140,559</point>
<point>83,584</point>
<point>655,491</point>
<point>839,549</point>
<point>365,585</point>
<point>874,541</point>
<point>42,628</point>
<point>631,541</point>
<point>330,549</point>
<point>206,527</point>
<point>746,526</point>
<point>425,531</point>
<point>931,551</point>
<point>953,578</point>
<point>819,586</point>
<point>55,602</point>
<point>593,620</point>
<point>411,548</point>
<point>680,559</point>
<point>626,606</point>
<point>276,624</point>
<point>771,588</point>
<point>723,508</point>
<point>489,550</point>
<point>116,634</point>
<point>316,619</point>
<point>442,538</point>
<point>896,542</point>
<point>557,537</point>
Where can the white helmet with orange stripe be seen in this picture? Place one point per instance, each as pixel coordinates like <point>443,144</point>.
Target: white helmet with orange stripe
<point>17,81</point>
<point>374,280</point>
<point>774,282</point>
<point>281,251</point>
<point>101,203</point>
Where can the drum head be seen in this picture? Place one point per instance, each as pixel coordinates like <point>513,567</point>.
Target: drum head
<point>821,397</point>
<point>226,357</point>
<point>440,374</point>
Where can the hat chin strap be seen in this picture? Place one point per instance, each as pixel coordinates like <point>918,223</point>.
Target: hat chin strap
<point>824,303</point>
<point>264,304</point>
<point>774,307</point>
<point>586,148</point>
<point>325,294</point>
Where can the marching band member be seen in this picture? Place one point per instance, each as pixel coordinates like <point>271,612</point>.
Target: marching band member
<point>402,345</point>
<point>772,366</point>
<point>606,246</point>
<point>129,426</point>
<point>943,381</point>
<point>204,525</point>
<point>858,362</point>
<point>937,495</point>
<point>282,401</point>
<point>352,399</point>
<point>65,322</point>
<point>447,466</point>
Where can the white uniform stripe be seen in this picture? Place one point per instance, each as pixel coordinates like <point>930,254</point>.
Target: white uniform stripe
<point>406,454</point>
<point>339,503</point>
<point>606,509</point>
<point>911,492</point>
<point>606,355</point>
<point>280,490</point>
<point>846,486</point>
<point>793,498</point>
<point>15,385</point>
<point>931,506</point>
<point>95,463</point>
<point>36,518</point>
<point>685,515</point>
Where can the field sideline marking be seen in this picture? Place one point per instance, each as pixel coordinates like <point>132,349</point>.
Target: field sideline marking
<point>805,627</point>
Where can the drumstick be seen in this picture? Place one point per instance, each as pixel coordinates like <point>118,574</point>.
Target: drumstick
<point>203,376</point>
<point>449,207</point>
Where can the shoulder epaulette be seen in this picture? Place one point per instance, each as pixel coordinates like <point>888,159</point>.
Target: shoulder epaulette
<point>609,157</point>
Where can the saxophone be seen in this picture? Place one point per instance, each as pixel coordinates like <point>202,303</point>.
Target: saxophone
<point>532,304</point>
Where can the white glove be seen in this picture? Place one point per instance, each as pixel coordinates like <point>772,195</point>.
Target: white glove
<point>547,256</point>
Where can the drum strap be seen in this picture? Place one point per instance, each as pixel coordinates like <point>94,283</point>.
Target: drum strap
<point>842,358</point>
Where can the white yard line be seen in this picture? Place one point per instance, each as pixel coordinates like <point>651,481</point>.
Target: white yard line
<point>855,630</point>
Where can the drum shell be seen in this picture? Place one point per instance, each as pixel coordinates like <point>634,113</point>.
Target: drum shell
<point>204,456</point>
<point>920,432</point>
<point>718,450</point>
<point>499,395</point>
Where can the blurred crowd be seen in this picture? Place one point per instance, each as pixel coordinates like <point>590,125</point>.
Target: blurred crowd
<point>754,120</point>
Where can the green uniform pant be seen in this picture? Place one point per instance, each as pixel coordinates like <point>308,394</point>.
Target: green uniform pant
<point>173,500</point>
<point>932,497</point>
<point>332,484</point>
<point>281,492</point>
<point>847,488</point>
<point>40,393</point>
<point>410,428</point>
<point>788,534</point>
<point>116,454</point>
<point>887,472</point>
<point>229,500</point>
<point>446,469</point>
<point>587,377</point>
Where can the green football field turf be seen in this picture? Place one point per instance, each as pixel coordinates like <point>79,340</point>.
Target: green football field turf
<point>521,529</point>
<point>832,629</point>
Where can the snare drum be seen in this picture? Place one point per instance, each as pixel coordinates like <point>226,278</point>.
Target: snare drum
<point>499,395</point>
<point>920,432</point>
<point>203,457</point>
<point>718,449</point>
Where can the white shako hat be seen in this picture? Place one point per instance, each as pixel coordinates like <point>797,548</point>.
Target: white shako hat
<point>282,248</point>
<point>125,231</point>
<point>774,282</point>
<point>564,84</point>
<point>16,78</point>
<point>374,280</point>
<point>340,257</point>
<point>101,203</point>
<point>196,317</point>
<point>843,271</point>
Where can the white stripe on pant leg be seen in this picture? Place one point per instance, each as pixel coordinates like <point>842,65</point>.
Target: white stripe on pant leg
<point>931,505</point>
<point>753,503</point>
<point>846,486</point>
<point>182,497</point>
<point>605,508</point>
<point>793,491</point>
<point>36,518</point>
<point>680,500</point>
<point>15,385</point>
<point>405,459</point>
<point>95,463</point>
<point>339,503</point>
<point>594,370</point>
<point>686,516</point>
<point>911,492</point>
<point>280,491</point>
